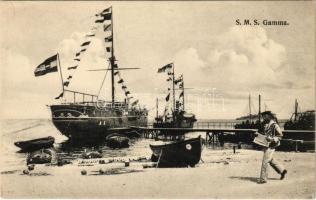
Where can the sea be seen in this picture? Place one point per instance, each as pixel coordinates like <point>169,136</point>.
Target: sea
<point>13,130</point>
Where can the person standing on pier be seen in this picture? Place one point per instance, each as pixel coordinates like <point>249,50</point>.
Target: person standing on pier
<point>274,134</point>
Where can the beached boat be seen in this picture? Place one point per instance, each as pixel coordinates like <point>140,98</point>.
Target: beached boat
<point>88,117</point>
<point>40,157</point>
<point>177,154</point>
<point>116,140</point>
<point>36,144</point>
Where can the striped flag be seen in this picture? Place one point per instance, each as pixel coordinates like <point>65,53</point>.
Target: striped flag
<point>49,65</point>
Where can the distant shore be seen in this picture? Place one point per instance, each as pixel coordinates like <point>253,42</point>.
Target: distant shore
<point>221,175</point>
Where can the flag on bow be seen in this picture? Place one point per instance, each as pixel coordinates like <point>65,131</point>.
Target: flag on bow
<point>49,65</point>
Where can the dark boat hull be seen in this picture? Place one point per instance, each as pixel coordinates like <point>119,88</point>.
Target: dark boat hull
<point>177,154</point>
<point>79,122</point>
<point>115,141</point>
<point>36,144</point>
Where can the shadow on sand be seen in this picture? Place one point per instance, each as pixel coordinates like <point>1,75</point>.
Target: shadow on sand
<point>252,179</point>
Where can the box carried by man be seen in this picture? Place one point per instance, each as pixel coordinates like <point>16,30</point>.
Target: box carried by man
<point>261,140</point>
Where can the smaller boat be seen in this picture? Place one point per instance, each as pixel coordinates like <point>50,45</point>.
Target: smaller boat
<point>36,144</point>
<point>116,140</point>
<point>40,157</point>
<point>177,154</point>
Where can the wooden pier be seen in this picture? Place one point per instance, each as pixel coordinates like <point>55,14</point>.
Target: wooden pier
<point>215,136</point>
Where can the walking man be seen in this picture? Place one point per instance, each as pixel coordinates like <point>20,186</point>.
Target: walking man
<point>274,134</point>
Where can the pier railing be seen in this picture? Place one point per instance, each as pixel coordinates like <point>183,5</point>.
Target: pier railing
<point>210,124</point>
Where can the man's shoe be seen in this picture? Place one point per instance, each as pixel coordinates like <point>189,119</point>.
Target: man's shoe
<point>261,182</point>
<point>283,174</point>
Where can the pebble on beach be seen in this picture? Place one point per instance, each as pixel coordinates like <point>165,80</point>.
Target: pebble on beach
<point>83,172</point>
<point>31,167</point>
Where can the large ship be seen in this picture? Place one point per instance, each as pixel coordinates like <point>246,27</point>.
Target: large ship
<point>174,116</point>
<point>301,120</point>
<point>90,117</point>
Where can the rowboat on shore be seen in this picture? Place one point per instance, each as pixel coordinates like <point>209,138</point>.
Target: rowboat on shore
<point>177,154</point>
<point>116,140</point>
<point>36,144</point>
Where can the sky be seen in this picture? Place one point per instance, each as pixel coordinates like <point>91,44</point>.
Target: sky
<point>222,62</point>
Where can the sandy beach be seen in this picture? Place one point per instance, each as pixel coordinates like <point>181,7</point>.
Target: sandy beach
<point>222,175</point>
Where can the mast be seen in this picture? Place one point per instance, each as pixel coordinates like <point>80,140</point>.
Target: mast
<point>157,108</point>
<point>259,113</point>
<point>112,61</point>
<point>250,108</point>
<point>183,91</point>
<point>295,110</point>
<point>61,74</point>
<point>173,92</point>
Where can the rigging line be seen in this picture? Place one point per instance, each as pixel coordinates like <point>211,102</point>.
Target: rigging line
<point>103,81</point>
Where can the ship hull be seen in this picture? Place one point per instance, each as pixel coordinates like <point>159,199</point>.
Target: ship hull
<point>89,123</point>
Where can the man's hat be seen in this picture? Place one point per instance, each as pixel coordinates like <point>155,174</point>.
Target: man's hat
<point>268,113</point>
